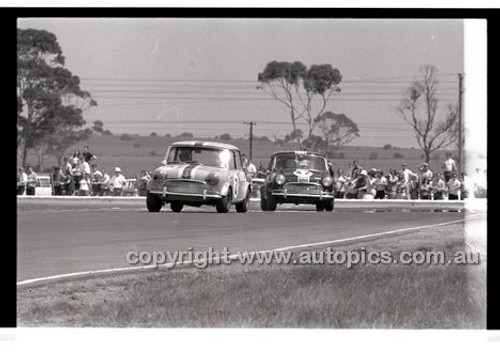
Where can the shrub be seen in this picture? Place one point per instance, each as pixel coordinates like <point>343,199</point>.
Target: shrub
<point>186,134</point>
<point>387,147</point>
<point>125,137</point>
<point>152,153</point>
<point>398,155</point>
<point>137,144</point>
<point>373,155</point>
<point>153,134</point>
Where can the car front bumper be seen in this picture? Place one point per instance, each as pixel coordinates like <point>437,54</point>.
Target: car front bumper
<point>297,193</point>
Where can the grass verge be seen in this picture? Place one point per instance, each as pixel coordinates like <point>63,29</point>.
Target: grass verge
<point>287,296</point>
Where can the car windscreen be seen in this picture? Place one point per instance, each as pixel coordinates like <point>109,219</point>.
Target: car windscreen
<point>213,157</point>
<point>294,161</point>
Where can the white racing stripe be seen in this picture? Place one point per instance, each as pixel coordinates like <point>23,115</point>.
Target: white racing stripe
<point>286,248</point>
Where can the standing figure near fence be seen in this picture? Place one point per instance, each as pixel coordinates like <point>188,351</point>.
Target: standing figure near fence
<point>340,184</point>
<point>95,181</point>
<point>449,166</point>
<point>453,186</point>
<point>425,189</point>
<point>392,183</point>
<point>380,183</point>
<point>439,187</point>
<point>105,182</point>
<point>117,182</point>
<point>22,180</point>
<point>32,181</point>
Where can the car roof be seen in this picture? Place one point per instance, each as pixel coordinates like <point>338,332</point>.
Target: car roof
<point>299,153</point>
<point>209,144</point>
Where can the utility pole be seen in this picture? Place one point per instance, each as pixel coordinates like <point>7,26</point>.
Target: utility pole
<point>460,125</point>
<point>251,123</point>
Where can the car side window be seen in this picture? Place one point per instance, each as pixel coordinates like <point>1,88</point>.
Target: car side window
<point>237,160</point>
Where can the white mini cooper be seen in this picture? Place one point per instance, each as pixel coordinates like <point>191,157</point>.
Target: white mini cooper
<point>198,173</point>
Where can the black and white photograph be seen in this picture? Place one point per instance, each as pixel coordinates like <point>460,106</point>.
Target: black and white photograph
<point>255,173</point>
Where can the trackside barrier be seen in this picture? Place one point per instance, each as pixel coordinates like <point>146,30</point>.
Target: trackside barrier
<point>340,204</point>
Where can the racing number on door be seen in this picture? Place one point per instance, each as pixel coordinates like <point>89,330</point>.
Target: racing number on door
<point>236,185</point>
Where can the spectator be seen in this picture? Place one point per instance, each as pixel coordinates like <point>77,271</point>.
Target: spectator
<point>105,182</point>
<point>31,182</point>
<point>84,186</point>
<point>439,187</point>
<point>87,155</point>
<point>453,185</point>
<point>77,157</point>
<point>380,184</point>
<point>356,169</point>
<point>66,169</point>
<point>77,175</point>
<point>392,184</point>
<point>143,183</point>
<point>363,185</point>
<point>22,180</point>
<point>425,189</point>
<point>450,166</point>
<point>425,172</point>
<point>479,180</point>
<point>413,187</point>
<point>96,181</point>
<point>467,187</point>
<point>117,182</point>
<point>340,184</point>
<point>59,181</point>
<point>401,187</point>
<point>249,167</point>
<point>407,174</point>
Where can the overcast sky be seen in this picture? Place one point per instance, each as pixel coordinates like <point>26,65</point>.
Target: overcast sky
<point>170,75</point>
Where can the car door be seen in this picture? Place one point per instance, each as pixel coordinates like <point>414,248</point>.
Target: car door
<point>240,182</point>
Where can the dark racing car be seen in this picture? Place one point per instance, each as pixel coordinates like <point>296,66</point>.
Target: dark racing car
<point>298,177</point>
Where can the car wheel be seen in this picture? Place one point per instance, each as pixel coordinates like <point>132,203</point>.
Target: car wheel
<point>154,203</point>
<point>224,204</point>
<point>320,206</point>
<point>263,203</point>
<point>271,203</point>
<point>328,205</point>
<point>243,206</point>
<point>176,206</point>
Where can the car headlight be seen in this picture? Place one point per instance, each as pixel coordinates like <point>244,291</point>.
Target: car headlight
<point>212,179</point>
<point>279,179</point>
<point>327,181</point>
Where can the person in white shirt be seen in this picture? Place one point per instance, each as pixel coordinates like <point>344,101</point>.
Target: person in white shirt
<point>32,181</point>
<point>453,186</point>
<point>479,179</point>
<point>105,182</point>
<point>249,167</point>
<point>117,182</point>
<point>380,184</point>
<point>407,175</point>
<point>341,184</point>
<point>438,187</point>
<point>425,172</point>
<point>22,180</point>
<point>450,166</point>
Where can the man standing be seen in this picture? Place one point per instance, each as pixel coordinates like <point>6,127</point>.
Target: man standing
<point>450,166</point>
<point>117,182</point>
<point>87,156</point>
<point>407,175</point>
<point>96,181</point>
<point>31,181</point>
<point>58,180</point>
<point>425,172</point>
<point>22,180</point>
<point>249,167</point>
<point>105,182</point>
<point>439,187</point>
<point>453,186</point>
<point>143,182</point>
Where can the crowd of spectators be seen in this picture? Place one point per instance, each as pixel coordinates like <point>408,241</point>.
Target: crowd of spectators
<point>79,176</point>
<point>361,183</point>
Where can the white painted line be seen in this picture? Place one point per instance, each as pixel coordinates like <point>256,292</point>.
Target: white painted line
<point>293,247</point>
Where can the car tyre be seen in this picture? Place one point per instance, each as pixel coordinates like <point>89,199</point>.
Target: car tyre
<point>153,203</point>
<point>223,205</point>
<point>270,203</point>
<point>242,207</point>
<point>328,205</point>
<point>176,206</point>
<point>320,206</point>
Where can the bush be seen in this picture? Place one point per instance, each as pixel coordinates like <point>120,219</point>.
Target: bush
<point>107,133</point>
<point>226,137</point>
<point>137,144</point>
<point>373,155</point>
<point>152,153</point>
<point>125,137</point>
<point>167,135</point>
<point>153,134</point>
<point>186,135</point>
<point>398,155</point>
<point>387,147</point>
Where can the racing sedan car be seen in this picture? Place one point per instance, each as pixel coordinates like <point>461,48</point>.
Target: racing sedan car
<point>198,173</point>
<point>298,177</point>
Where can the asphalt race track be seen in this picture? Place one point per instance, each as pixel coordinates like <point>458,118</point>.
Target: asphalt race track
<point>60,241</point>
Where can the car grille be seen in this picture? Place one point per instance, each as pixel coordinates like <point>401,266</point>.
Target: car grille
<point>303,188</point>
<point>186,186</point>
